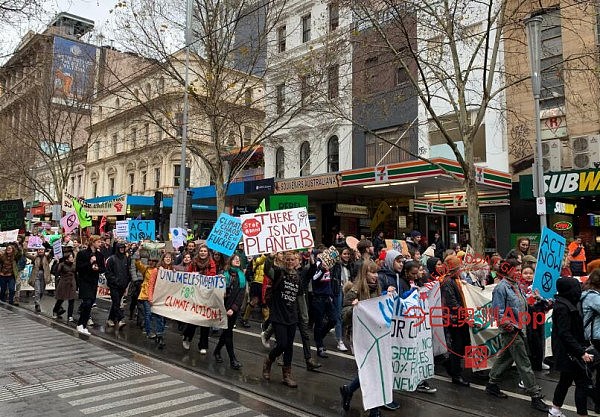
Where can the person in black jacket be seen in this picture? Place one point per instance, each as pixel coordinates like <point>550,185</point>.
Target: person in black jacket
<point>89,264</point>
<point>568,347</point>
<point>118,276</point>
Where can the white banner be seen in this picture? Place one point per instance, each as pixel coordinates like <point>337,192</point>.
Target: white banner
<point>9,236</point>
<point>190,297</point>
<point>122,229</point>
<point>115,207</point>
<point>276,231</point>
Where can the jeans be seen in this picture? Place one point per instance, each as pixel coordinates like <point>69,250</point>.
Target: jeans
<point>149,317</point>
<point>302,325</point>
<point>116,312</point>
<point>70,308</point>
<point>284,335</point>
<point>322,309</point>
<point>354,385</point>
<point>515,350</point>
<point>85,311</point>
<point>226,338</point>
<point>582,387</point>
<point>7,284</point>
<point>39,287</point>
<point>337,314</point>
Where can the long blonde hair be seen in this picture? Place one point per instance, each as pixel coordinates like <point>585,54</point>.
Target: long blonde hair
<point>361,284</point>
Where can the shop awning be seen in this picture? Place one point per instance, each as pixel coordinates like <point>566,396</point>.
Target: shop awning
<point>148,201</point>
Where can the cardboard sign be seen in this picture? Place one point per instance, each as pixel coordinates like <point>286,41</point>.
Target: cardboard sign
<point>329,256</point>
<point>57,249</point>
<point>69,222</point>
<point>225,234</point>
<point>9,236</point>
<point>141,230</point>
<point>276,231</point>
<point>190,297</point>
<point>399,245</point>
<point>178,236</point>
<point>103,291</point>
<point>122,229</point>
<point>35,242</point>
<point>549,262</point>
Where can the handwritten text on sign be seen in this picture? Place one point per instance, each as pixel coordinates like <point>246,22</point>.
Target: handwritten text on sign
<point>141,230</point>
<point>225,234</point>
<point>190,298</point>
<point>276,231</point>
<point>549,262</point>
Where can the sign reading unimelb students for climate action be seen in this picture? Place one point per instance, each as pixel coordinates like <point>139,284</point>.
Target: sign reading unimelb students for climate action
<point>549,263</point>
<point>225,234</point>
<point>276,231</point>
<point>190,298</point>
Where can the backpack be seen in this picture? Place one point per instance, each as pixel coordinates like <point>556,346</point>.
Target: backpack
<point>590,320</point>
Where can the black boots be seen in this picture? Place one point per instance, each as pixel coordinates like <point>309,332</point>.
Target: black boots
<point>346,397</point>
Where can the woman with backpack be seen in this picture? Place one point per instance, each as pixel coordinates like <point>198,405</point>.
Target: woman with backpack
<point>590,307</point>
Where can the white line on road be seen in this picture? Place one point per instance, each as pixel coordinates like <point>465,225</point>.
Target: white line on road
<point>166,404</point>
<point>110,395</point>
<point>196,408</point>
<point>111,386</point>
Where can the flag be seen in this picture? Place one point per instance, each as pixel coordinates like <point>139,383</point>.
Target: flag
<point>261,207</point>
<point>139,217</point>
<point>380,215</point>
<point>85,220</point>
<point>102,224</point>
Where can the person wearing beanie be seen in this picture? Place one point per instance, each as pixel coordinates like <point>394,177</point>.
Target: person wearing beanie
<point>118,277</point>
<point>414,241</point>
<point>568,347</point>
<point>510,303</point>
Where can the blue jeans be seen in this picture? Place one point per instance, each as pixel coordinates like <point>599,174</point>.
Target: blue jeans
<point>149,316</point>
<point>337,314</point>
<point>7,284</point>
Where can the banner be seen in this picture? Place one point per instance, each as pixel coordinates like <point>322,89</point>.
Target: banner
<point>190,298</point>
<point>122,229</point>
<point>85,220</point>
<point>178,236</point>
<point>139,230</point>
<point>276,231</point>
<point>114,207</point>
<point>225,234</point>
<point>103,291</point>
<point>12,214</point>
<point>35,242</point>
<point>549,262</point>
<point>9,236</point>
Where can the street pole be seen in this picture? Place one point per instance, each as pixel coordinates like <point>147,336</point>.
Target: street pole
<point>180,206</point>
<point>534,25</point>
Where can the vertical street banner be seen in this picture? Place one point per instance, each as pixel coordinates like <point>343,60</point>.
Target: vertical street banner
<point>73,70</point>
<point>372,346</point>
<point>139,230</point>
<point>276,231</point>
<point>190,298</point>
<point>225,234</point>
<point>12,214</point>
<point>549,262</point>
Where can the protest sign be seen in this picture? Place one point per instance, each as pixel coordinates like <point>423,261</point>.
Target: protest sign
<point>69,222</point>
<point>9,236</point>
<point>122,229</point>
<point>114,207</point>
<point>178,236</point>
<point>57,249</point>
<point>103,291</point>
<point>399,245</point>
<point>141,230</point>
<point>276,231</point>
<point>12,214</point>
<point>35,242</point>
<point>225,234</point>
<point>329,256</point>
<point>190,298</point>
<point>24,278</point>
<point>549,262</point>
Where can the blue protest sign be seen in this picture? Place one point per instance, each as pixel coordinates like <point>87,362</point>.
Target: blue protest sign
<point>549,262</point>
<point>141,230</point>
<point>225,234</point>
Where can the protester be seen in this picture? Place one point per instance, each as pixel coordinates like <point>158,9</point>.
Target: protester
<point>508,299</point>
<point>414,242</point>
<point>341,273</point>
<point>568,348</point>
<point>590,306</point>
<point>234,297</point>
<point>365,252</point>
<point>303,313</point>
<point>389,275</point>
<point>440,246</point>
<point>523,244</point>
<point>118,277</point>
<point>190,249</point>
<point>66,289</point>
<point>147,293</point>
<point>134,286</point>
<point>378,243</point>
<point>40,275</point>
<point>256,291</point>
<point>89,264</point>
<point>153,324</point>
<point>220,262</point>
<point>322,303</point>
<point>577,257</point>
<point>272,261</point>
<point>8,273</point>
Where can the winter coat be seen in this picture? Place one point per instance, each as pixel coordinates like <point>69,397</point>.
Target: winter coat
<point>146,272</point>
<point>336,276</point>
<point>259,268</point>
<point>67,284</point>
<point>508,296</point>
<point>11,264</point>
<point>590,304</point>
<point>236,289</point>
<point>117,271</point>
<point>452,298</point>
<point>87,278</point>
<point>568,340</point>
<point>40,262</point>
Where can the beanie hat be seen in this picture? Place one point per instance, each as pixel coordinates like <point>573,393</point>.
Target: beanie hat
<point>452,262</point>
<point>415,233</point>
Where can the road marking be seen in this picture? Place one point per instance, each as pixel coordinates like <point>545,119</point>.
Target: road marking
<point>111,386</point>
<point>196,408</point>
<point>102,397</point>
<point>166,404</point>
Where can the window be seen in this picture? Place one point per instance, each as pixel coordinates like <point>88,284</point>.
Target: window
<point>379,148</point>
<point>333,154</point>
<point>551,71</point>
<point>97,149</point>
<point>247,135</point>
<point>333,81</point>
<point>157,178</point>
<point>305,28</point>
<point>111,186</point>
<point>144,178</point>
<point>280,98</point>
<point>100,112</point>
<point>178,173</point>
<point>94,189</point>
<point>401,76</point>
<point>370,74</point>
<point>280,162</point>
<point>115,140</point>
<point>304,90</point>
<point>451,126</point>
<point>334,16</point>
<point>146,133</point>
<point>305,159</point>
<point>281,39</point>
<point>133,137</point>
<point>131,182</point>
<point>248,97</point>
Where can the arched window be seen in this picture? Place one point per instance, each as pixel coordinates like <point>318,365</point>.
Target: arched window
<point>333,154</point>
<point>305,159</point>
<point>279,163</point>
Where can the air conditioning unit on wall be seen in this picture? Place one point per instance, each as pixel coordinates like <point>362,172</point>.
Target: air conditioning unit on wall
<point>551,154</point>
<point>586,151</point>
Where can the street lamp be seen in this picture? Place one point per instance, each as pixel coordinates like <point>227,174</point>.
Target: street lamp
<point>534,26</point>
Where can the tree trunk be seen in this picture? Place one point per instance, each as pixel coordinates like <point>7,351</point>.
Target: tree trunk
<point>220,189</point>
<point>471,195</point>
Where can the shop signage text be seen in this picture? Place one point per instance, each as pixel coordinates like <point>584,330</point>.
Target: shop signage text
<point>564,208</point>
<point>595,220</point>
<point>351,209</point>
<point>295,185</point>
<point>572,182</point>
<point>562,226</point>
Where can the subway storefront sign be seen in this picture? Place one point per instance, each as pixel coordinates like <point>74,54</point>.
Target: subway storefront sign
<point>564,184</point>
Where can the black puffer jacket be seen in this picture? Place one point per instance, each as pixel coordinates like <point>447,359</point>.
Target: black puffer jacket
<point>87,277</point>
<point>568,340</point>
<point>118,273</point>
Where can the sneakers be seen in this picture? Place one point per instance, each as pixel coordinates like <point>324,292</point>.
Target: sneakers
<point>110,323</point>
<point>186,344</point>
<point>321,353</point>
<point>426,388</point>
<point>346,397</point>
<point>151,335</point>
<point>121,324</point>
<point>203,351</point>
<point>538,404</point>
<point>494,389</point>
<point>54,315</point>
<point>521,385</point>
<point>90,322</point>
<point>61,311</point>
<point>341,346</point>
<point>545,368</point>
<point>560,413</point>
<point>70,320</point>
<point>83,330</point>
<point>264,340</point>
<point>392,406</point>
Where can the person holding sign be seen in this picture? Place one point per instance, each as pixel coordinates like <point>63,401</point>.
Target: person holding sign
<point>147,295</point>
<point>40,276</point>
<point>90,264</point>
<point>234,297</point>
<point>8,273</point>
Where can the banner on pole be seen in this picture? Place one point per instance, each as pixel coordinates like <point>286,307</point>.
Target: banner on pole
<point>69,222</point>
<point>114,207</point>
<point>225,234</point>
<point>276,231</point>
<point>190,298</point>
